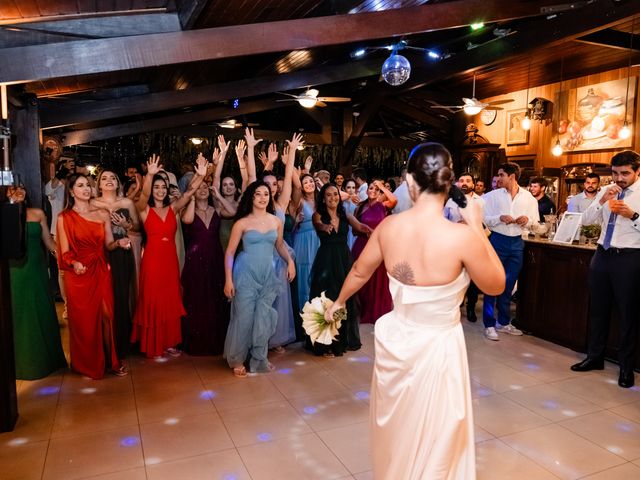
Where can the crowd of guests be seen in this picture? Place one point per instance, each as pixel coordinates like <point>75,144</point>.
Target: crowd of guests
<point>210,264</point>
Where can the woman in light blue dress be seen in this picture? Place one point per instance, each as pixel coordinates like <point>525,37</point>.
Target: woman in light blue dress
<point>250,280</point>
<point>306,241</point>
<point>285,328</point>
<point>350,208</point>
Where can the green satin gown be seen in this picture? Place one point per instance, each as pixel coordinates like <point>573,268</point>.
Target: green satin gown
<point>36,334</point>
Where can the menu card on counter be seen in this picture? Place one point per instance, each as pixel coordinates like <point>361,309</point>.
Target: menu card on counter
<point>568,228</point>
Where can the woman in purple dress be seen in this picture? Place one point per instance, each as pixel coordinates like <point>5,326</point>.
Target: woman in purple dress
<point>205,326</point>
<point>374,298</point>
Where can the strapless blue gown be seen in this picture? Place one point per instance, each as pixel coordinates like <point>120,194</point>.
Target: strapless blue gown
<point>305,246</point>
<point>253,318</point>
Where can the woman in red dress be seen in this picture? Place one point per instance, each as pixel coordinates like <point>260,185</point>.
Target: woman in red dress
<point>156,322</point>
<point>374,299</point>
<point>83,234</point>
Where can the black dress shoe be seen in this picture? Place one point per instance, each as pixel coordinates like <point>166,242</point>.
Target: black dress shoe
<point>471,315</point>
<point>588,364</point>
<point>626,379</point>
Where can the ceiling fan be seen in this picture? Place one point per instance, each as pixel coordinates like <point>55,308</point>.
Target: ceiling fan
<point>233,123</point>
<point>310,98</point>
<point>473,106</point>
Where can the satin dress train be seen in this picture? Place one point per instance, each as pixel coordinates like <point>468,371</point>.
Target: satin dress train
<point>421,414</point>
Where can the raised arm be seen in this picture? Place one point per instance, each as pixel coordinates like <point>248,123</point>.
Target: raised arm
<point>296,191</point>
<point>223,147</point>
<point>288,157</point>
<point>251,159</point>
<point>188,214</point>
<point>153,167</point>
<point>201,170</point>
<point>268,161</point>
<point>240,149</point>
<point>391,200</point>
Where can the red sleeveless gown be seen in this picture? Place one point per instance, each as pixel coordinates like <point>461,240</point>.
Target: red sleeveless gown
<point>89,297</point>
<point>156,322</point>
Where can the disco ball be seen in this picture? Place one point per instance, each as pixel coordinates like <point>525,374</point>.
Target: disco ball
<point>396,70</point>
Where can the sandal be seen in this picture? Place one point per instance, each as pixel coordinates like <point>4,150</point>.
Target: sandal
<point>328,355</point>
<point>173,352</point>
<point>271,366</point>
<point>120,372</point>
<point>240,372</point>
<point>279,349</point>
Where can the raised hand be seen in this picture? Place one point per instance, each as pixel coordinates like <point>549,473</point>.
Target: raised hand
<point>273,153</point>
<point>153,164</point>
<point>216,156</point>
<point>201,165</point>
<point>263,158</point>
<point>251,140</point>
<point>307,163</point>
<point>222,144</point>
<point>295,142</point>
<point>241,147</point>
<point>285,154</point>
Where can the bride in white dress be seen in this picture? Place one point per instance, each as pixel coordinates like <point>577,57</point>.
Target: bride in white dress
<point>421,416</point>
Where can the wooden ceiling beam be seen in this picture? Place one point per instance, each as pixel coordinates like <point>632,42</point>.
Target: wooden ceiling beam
<point>77,137</point>
<point>189,11</point>
<point>57,116</point>
<point>106,55</point>
<point>613,39</point>
<point>536,33</point>
<point>424,117</point>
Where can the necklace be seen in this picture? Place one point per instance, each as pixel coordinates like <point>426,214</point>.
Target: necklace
<point>80,211</point>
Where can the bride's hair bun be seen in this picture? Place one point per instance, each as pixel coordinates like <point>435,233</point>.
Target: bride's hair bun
<point>430,166</point>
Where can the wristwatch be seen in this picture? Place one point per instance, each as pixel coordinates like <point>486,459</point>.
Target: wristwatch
<point>635,216</point>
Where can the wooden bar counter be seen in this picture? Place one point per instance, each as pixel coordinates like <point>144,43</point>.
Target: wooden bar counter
<point>553,296</point>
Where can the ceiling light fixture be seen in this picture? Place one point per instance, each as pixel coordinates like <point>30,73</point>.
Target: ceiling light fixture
<point>557,148</point>
<point>196,140</point>
<point>309,99</point>
<point>477,26</point>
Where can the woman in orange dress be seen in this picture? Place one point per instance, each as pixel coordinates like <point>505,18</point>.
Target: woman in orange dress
<point>159,311</point>
<point>83,234</point>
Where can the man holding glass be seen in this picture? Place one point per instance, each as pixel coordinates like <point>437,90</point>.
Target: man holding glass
<point>614,273</point>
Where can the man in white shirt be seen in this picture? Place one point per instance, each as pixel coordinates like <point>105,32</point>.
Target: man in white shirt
<point>580,202</point>
<point>466,183</point>
<point>360,176</point>
<point>614,273</point>
<point>402,195</point>
<point>508,210</point>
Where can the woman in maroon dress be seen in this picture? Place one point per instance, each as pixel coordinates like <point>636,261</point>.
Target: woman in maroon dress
<point>83,234</point>
<point>374,297</point>
<point>156,322</point>
<point>205,326</point>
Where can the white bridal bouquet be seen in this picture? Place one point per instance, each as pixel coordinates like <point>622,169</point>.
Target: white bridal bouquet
<point>314,323</point>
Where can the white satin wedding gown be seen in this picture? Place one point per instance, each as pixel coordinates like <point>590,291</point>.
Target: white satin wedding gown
<point>421,417</point>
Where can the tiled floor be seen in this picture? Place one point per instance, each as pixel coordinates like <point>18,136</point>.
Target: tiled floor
<point>189,418</point>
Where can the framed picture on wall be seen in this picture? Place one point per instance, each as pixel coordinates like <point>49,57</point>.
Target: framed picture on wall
<point>516,135</point>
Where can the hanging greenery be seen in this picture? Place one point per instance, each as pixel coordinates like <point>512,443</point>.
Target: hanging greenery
<point>175,150</point>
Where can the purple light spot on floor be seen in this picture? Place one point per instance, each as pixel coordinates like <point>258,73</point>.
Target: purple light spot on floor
<point>360,359</point>
<point>362,395</point>
<point>207,395</point>
<point>129,441</point>
<point>550,404</point>
<point>264,436</point>
<point>484,392</point>
<point>230,476</point>
<point>310,410</point>
<point>285,371</point>
<point>532,366</point>
<point>625,427</point>
<point>48,390</point>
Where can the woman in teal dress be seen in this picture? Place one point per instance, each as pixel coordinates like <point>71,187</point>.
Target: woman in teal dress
<point>250,280</point>
<point>36,334</point>
<point>332,264</point>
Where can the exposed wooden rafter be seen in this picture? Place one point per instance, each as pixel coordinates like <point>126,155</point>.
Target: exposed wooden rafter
<point>105,55</point>
<point>612,38</point>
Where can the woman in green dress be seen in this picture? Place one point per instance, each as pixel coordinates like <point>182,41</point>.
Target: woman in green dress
<point>36,334</point>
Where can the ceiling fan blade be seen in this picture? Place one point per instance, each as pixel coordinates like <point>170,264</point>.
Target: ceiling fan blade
<point>490,107</point>
<point>287,100</point>
<point>501,102</point>
<point>334,99</point>
<point>289,95</point>
<point>320,104</point>
<point>447,106</point>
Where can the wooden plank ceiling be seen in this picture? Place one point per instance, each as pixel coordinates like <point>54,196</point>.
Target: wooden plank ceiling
<point>397,114</point>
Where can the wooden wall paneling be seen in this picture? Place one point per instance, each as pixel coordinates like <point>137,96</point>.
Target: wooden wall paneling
<point>543,137</point>
<point>59,7</point>
<point>10,10</point>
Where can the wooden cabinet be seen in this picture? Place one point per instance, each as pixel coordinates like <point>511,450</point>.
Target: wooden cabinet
<point>553,297</point>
